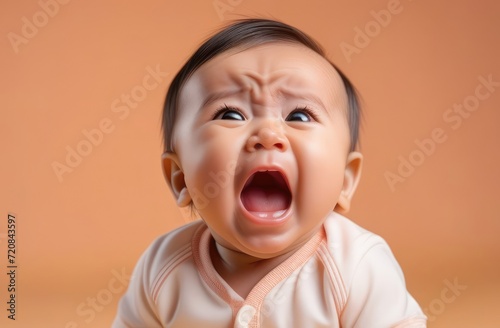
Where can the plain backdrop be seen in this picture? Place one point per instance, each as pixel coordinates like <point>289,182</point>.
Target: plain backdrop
<point>88,205</point>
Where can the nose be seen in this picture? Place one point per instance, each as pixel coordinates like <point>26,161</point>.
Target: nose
<point>268,137</point>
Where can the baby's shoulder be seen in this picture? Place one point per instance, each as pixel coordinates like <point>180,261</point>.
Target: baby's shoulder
<point>371,282</point>
<point>171,247</point>
<point>349,245</point>
<point>343,234</point>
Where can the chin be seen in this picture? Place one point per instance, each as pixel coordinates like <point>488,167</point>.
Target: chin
<point>270,246</point>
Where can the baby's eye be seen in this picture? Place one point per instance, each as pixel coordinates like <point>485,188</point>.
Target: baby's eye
<point>299,115</point>
<point>227,113</point>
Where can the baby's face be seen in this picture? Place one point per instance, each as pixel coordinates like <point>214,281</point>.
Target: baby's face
<point>262,140</point>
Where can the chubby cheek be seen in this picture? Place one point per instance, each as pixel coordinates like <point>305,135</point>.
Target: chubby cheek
<point>209,171</point>
<point>321,167</point>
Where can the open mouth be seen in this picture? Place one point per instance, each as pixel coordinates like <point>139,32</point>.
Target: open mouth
<point>266,194</point>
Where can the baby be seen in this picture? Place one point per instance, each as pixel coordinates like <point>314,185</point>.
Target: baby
<point>260,133</point>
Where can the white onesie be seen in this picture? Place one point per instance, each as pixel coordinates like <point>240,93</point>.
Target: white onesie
<point>344,277</point>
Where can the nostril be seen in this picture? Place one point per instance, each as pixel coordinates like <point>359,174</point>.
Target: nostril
<point>278,145</point>
<point>267,139</point>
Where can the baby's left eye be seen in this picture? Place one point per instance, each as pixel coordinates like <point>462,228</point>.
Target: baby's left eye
<point>299,115</point>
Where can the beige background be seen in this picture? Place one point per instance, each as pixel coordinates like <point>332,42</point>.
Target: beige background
<point>64,75</point>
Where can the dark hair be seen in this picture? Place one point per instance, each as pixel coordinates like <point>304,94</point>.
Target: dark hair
<point>249,33</point>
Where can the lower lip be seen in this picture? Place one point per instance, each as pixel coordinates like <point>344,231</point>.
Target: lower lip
<point>267,218</point>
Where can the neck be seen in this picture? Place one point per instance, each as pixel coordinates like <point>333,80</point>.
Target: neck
<point>237,261</point>
<point>242,271</point>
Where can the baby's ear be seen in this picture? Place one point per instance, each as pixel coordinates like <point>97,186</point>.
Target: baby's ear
<point>175,178</point>
<point>352,174</point>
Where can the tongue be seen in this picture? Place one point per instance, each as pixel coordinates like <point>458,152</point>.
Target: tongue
<point>264,200</point>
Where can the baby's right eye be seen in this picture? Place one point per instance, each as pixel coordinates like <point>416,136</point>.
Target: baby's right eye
<point>228,113</point>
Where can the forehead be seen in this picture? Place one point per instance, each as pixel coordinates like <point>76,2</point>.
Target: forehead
<point>278,68</point>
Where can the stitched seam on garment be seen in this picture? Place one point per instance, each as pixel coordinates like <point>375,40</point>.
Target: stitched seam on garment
<point>178,258</point>
<point>201,239</point>
<point>173,258</point>
<point>339,290</point>
<point>282,271</point>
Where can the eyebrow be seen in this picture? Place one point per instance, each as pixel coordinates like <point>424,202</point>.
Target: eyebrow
<point>307,96</point>
<point>214,96</point>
